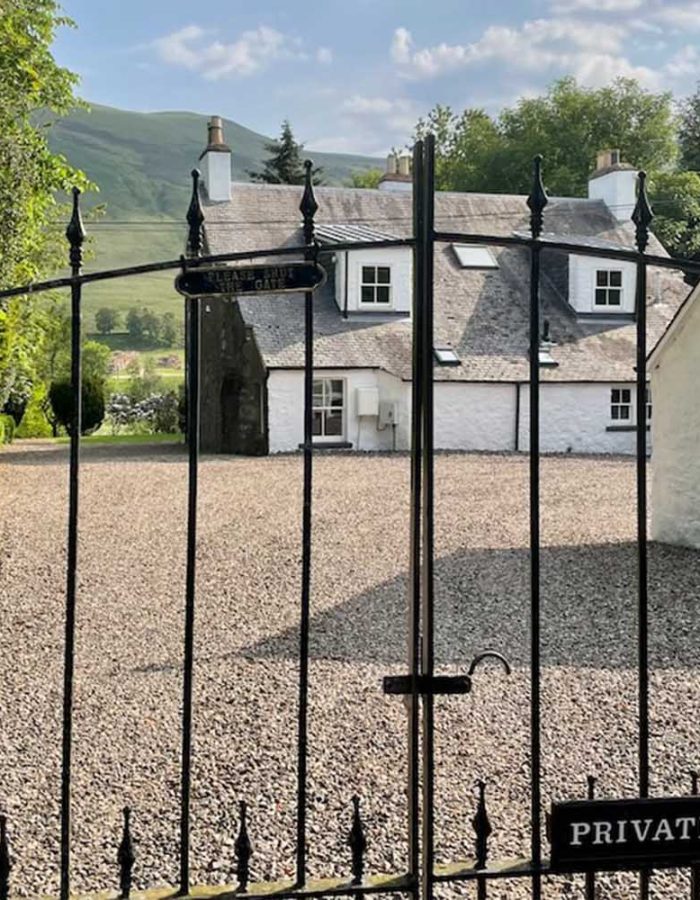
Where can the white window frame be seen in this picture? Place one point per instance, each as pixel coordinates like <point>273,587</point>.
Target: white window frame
<point>608,288</point>
<point>631,404</point>
<point>374,304</point>
<point>326,407</point>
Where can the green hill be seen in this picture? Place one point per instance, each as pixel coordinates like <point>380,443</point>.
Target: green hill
<point>141,162</point>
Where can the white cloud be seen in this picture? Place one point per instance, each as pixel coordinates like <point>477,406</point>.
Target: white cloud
<point>606,6</point>
<point>324,55</point>
<point>684,16</point>
<point>250,53</point>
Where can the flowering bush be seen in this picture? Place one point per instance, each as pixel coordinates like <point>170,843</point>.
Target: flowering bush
<point>155,414</point>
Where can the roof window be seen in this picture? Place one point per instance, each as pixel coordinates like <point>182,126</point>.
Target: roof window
<point>446,356</point>
<point>474,256</point>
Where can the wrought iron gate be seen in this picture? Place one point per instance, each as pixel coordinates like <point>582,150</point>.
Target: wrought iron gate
<point>421,683</point>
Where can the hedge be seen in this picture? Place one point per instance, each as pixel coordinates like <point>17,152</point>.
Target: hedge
<point>7,428</point>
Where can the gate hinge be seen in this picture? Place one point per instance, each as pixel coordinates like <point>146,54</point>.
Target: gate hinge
<point>425,684</point>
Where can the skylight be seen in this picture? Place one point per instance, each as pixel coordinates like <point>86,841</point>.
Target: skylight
<point>474,256</point>
<point>446,356</point>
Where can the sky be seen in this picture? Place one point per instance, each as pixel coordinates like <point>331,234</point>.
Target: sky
<point>355,75</point>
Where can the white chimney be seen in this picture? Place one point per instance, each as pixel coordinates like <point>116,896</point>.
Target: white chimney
<point>615,183</point>
<point>216,163</point>
<point>398,175</point>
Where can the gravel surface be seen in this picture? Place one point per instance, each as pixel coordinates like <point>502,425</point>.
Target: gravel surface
<point>129,651</point>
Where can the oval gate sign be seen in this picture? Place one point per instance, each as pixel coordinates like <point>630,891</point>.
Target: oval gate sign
<point>272,279</point>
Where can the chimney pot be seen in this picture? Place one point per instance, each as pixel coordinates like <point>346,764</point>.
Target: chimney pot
<point>392,164</point>
<point>404,165</point>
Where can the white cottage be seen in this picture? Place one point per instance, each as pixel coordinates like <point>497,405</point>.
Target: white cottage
<point>674,368</point>
<point>253,348</point>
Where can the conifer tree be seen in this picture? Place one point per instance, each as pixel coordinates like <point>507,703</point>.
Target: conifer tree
<point>286,164</point>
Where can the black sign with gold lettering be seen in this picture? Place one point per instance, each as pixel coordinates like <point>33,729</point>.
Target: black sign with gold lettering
<point>590,835</point>
<point>236,280</point>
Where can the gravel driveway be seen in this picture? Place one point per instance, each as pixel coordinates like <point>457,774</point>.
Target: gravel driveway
<point>129,651</point>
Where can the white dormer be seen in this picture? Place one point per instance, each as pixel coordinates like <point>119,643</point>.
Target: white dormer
<point>371,281</point>
<point>615,183</point>
<point>601,287</point>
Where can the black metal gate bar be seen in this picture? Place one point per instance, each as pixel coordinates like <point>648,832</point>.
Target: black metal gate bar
<point>537,202</point>
<point>308,209</point>
<point>76,236</point>
<point>642,218</point>
<point>195,219</point>
<point>413,699</point>
<point>426,248</point>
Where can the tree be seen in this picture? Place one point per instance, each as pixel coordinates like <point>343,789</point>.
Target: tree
<point>569,124</point>
<point>676,201</point>
<point>92,405</point>
<point>107,320</point>
<point>168,330</point>
<point>134,323</point>
<point>285,165</point>
<point>689,132</point>
<point>150,323</point>
<point>32,85</point>
<point>366,178</point>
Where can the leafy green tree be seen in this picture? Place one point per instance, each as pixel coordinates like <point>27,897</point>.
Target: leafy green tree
<point>31,238</point>
<point>676,201</point>
<point>134,323</point>
<point>151,325</point>
<point>107,320</point>
<point>168,330</point>
<point>366,178</point>
<point>285,165</point>
<point>689,132</point>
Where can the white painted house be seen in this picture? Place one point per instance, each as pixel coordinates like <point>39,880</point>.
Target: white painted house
<point>674,368</point>
<point>253,348</point>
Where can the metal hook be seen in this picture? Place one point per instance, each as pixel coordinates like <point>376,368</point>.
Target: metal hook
<point>488,654</point>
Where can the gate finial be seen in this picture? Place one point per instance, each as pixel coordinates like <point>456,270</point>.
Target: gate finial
<point>125,856</point>
<point>538,199</point>
<point>5,860</point>
<point>243,849</point>
<point>482,827</point>
<point>643,214</point>
<point>195,218</point>
<point>75,232</point>
<point>308,206</point>
<point>358,843</point>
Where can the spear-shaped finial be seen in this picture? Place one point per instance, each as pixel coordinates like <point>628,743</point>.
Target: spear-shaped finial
<point>591,779</point>
<point>358,842</point>
<point>125,856</point>
<point>5,860</point>
<point>195,218</point>
<point>643,214</point>
<point>243,849</point>
<point>482,827</point>
<point>538,199</point>
<point>75,232</point>
<point>308,206</point>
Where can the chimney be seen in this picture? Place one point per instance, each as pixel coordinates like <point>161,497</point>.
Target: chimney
<point>615,183</point>
<point>398,175</point>
<point>216,163</point>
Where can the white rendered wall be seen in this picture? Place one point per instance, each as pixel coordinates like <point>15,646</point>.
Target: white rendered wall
<point>618,190</point>
<point>471,416</point>
<point>675,493</point>
<point>399,259</point>
<point>575,418</point>
<point>582,284</point>
<point>216,172</point>
<point>285,393</point>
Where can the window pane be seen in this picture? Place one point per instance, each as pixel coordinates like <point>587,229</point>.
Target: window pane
<point>615,412</point>
<point>624,412</point>
<point>383,275</point>
<point>336,393</point>
<point>368,274</point>
<point>616,278</point>
<point>601,297</point>
<point>615,395</point>
<point>318,393</point>
<point>334,422</point>
<point>318,419</point>
<point>626,394</point>
<point>367,294</point>
<point>614,296</point>
<point>383,294</point>
<point>601,278</point>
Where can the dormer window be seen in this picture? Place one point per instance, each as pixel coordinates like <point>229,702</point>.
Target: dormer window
<point>375,287</point>
<point>608,288</point>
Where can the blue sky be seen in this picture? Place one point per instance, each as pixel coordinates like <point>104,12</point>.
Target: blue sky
<point>354,75</point>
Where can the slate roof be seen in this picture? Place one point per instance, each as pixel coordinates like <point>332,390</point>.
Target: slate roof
<point>482,314</point>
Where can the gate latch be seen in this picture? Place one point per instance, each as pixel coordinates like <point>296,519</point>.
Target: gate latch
<point>441,684</point>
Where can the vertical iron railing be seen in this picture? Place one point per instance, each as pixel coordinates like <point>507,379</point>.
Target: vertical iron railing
<point>76,237</point>
<point>536,202</point>
<point>308,209</point>
<point>642,218</point>
<point>195,220</point>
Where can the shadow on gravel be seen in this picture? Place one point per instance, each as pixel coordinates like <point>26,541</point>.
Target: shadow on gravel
<point>482,600</point>
<point>50,454</point>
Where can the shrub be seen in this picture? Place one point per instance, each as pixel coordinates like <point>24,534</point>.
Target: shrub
<point>7,428</point>
<point>92,406</point>
<point>34,423</point>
